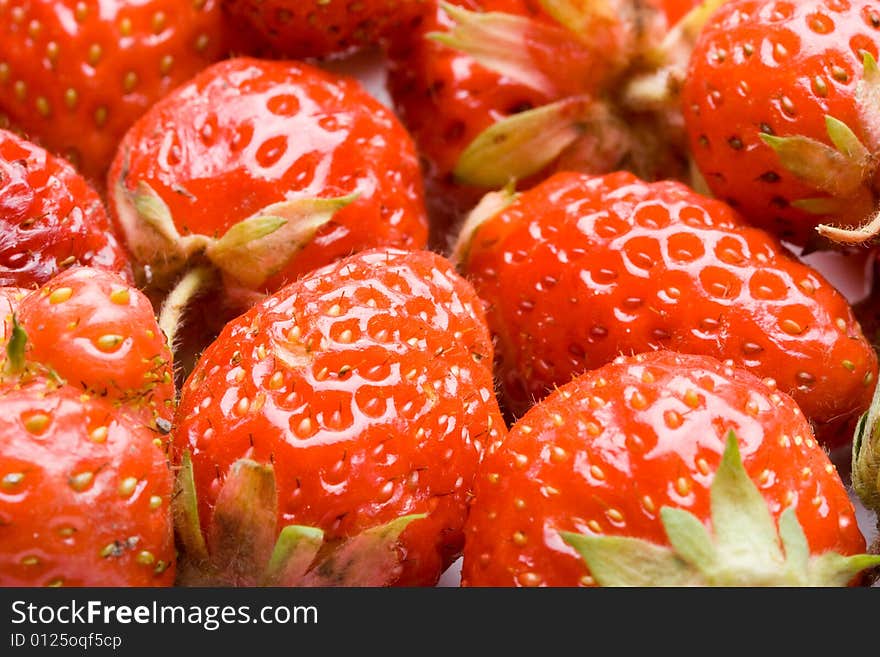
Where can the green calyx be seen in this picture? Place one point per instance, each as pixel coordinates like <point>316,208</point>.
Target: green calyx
<point>497,41</point>
<point>525,143</point>
<point>620,45</point>
<point>15,349</point>
<point>745,548</point>
<point>255,249</point>
<point>250,252</point>
<point>245,548</point>
<point>843,170</point>
<point>838,171</point>
<point>150,232</point>
<point>866,455</point>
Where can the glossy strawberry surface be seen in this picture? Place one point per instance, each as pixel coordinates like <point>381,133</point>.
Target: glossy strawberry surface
<point>777,68</point>
<point>86,386</point>
<point>75,74</point>
<point>446,99</point>
<point>84,492</point>
<point>51,218</point>
<point>245,134</point>
<point>580,269</point>
<point>318,28</point>
<point>96,331</point>
<point>604,453</point>
<point>367,386</point>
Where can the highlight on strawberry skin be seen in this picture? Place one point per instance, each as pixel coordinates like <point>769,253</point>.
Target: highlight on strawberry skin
<point>662,469</point>
<point>87,395</point>
<point>330,435</point>
<point>581,268</point>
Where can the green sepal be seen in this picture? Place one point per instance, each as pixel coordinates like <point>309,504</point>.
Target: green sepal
<point>155,212</point>
<point>817,164</point>
<point>624,561</point>
<point>185,510</point>
<point>490,205</point>
<point>523,144</point>
<point>689,538</point>
<point>833,569</point>
<point>369,559</point>
<point>794,541</point>
<point>243,527</point>
<point>745,547</point>
<point>295,551</point>
<point>821,206</point>
<point>846,141</point>
<point>742,523</point>
<point>498,41</point>
<point>16,348</point>
<point>260,246</point>
<point>150,232</point>
<point>866,455</point>
<point>242,549</point>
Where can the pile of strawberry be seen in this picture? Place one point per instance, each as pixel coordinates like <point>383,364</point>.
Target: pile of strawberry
<point>548,312</point>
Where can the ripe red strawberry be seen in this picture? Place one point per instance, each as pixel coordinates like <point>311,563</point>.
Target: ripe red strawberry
<point>580,269</point>
<point>50,218</point>
<point>93,330</point>
<point>87,394</point>
<point>494,90</point>
<point>635,469</point>
<point>264,171</point>
<point>351,409</point>
<point>75,74</point>
<point>85,492</point>
<point>782,106</point>
<point>317,28</point>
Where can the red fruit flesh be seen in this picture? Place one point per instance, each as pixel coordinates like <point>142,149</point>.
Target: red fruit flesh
<point>446,99</point>
<point>776,68</point>
<point>579,270</point>
<point>245,134</point>
<point>314,28</point>
<point>604,453</point>
<point>84,493</point>
<point>50,218</point>
<point>96,331</point>
<point>367,386</point>
<point>75,75</point>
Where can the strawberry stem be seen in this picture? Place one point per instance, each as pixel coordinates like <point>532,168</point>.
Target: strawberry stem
<point>858,235</point>
<point>196,281</point>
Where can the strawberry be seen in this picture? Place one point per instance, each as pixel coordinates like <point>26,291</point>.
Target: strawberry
<point>50,217</point>
<point>86,493</point>
<point>580,269</point>
<point>662,469</point>
<point>75,74</point>
<point>91,328</point>
<point>263,171</point>
<point>86,389</point>
<point>318,28</point>
<point>782,108</point>
<point>342,420</point>
<point>495,90</point>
